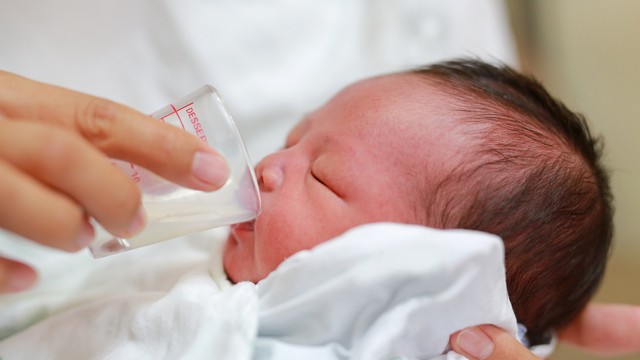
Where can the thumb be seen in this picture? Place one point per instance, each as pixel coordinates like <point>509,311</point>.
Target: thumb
<point>487,342</point>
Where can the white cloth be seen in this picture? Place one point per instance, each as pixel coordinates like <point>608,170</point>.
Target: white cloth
<point>383,291</point>
<point>377,291</point>
<point>84,279</point>
<point>271,60</point>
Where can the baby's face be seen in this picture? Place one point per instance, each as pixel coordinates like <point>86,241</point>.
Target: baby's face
<point>367,155</point>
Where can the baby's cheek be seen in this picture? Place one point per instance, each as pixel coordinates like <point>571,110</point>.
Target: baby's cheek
<point>282,243</point>
<point>272,253</point>
<point>284,228</point>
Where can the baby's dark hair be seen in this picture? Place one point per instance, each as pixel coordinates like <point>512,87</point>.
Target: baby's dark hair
<point>537,182</point>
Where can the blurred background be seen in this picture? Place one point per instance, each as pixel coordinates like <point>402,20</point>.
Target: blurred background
<point>587,53</point>
<point>584,51</point>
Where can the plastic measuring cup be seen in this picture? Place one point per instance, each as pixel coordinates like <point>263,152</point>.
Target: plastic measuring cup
<point>173,210</point>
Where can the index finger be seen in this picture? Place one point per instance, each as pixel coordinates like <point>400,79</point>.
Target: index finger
<point>117,130</point>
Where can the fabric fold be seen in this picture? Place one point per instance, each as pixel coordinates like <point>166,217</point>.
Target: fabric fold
<point>384,290</point>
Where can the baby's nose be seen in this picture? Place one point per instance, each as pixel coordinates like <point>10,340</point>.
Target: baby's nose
<point>270,178</point>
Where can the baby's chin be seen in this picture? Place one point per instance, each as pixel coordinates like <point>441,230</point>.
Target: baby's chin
<point>238,261</point>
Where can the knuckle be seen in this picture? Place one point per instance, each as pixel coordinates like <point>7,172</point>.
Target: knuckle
<point>96,120</point>
<point>166,143</point>
<point>171,147</point>
<point>127,199</point>
<point>58,151</point>
<point>120,207</point>
<point>63,227</point>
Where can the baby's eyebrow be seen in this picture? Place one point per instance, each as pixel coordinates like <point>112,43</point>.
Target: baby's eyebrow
<point>298,130</point>
<point>289,140</point>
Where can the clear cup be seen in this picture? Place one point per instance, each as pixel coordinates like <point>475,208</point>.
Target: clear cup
<point>173,210</point>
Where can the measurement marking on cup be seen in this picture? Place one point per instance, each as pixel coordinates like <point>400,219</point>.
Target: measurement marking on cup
<point>134,175</point>
<point>178,115</point>
<point>198,130</point>
<point>197,126</point>
<point>175,111</point>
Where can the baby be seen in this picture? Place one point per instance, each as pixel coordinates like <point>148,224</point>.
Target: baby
<point>460,144</point>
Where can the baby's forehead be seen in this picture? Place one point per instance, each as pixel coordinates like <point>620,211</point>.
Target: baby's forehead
<point>388,101</point>
<point>400,116</point>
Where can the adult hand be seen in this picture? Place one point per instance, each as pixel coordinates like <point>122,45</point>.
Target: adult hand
<point>55,146</point>
<point>605,329</point>
<point>487,342</point>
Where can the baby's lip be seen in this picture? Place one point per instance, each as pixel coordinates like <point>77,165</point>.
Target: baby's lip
<point>245,226</point>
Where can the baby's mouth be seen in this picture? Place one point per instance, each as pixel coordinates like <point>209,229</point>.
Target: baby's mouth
<point>245,226</point>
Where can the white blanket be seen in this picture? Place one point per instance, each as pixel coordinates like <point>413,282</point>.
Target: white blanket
<point>378,291</point>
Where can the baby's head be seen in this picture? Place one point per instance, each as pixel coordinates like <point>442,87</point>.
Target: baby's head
<point>454,145</point>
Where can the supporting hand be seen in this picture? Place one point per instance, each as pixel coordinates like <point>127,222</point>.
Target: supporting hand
<point>487,342</point>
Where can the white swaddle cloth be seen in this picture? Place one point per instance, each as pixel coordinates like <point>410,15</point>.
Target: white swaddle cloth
<point>383,291</point>
<point>377,291</point>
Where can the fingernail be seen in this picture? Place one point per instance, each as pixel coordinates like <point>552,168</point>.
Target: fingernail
<point>86,235</point>
<point>138,222</point>
<point>210,168</point>
<point>476,343</point>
